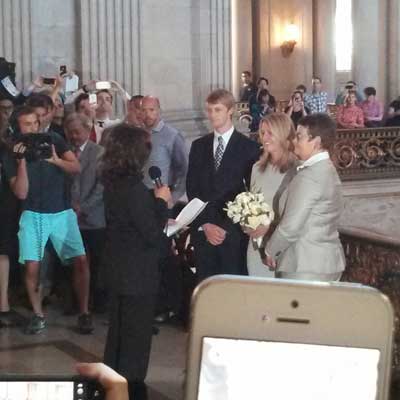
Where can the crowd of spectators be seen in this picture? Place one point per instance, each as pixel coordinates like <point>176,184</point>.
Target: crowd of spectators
<point>353,108</point>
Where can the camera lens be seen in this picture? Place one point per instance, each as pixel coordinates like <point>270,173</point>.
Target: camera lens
<point>294,304</point>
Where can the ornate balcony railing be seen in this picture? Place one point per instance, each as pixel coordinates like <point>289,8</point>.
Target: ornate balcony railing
<point>374,260</point>
<point>368,153</point>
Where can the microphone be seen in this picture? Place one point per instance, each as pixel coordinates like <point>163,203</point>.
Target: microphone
<point>155,175</point>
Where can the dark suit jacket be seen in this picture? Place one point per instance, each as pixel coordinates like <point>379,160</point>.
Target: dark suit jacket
<point>135,221</point>
<point>87,190</point>
<point>219,187</point>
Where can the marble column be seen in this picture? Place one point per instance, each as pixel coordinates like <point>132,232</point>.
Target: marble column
<point>393,61</point>
<point>284,73</point>
<point>110,35</point>
<point>370,44</point>
<point>324,44</point>
<point>15,37</point>
<point>242,38</point>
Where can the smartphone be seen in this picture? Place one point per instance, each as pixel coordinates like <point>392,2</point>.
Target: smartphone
<point>49,81</point>
<point>38,387</point>
<point>92,98</point>
<point>63,70</point>
<point>101,85</point>
<point>282,340</point>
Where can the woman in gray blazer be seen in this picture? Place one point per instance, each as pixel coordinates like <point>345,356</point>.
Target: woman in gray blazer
<point>306,244</point>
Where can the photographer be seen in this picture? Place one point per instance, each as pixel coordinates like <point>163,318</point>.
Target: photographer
<point>45,110</point>
<point>296,108</point>
<point>13,182</point>
<point>47,215</point>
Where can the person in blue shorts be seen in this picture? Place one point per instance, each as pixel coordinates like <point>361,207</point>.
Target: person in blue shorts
<point>47,215</point>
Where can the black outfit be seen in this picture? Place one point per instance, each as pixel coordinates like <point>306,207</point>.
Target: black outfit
<point>48,184</point>
<point>57,129</point>
<point>246,92</point>
<point>297,115</point>
<point>8,203</point>
<point>135,221</point>
<point>217,188</point>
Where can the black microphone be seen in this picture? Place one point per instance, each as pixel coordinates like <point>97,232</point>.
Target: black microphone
<point>155,175</point>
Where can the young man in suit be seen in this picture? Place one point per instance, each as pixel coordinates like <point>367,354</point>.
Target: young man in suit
<point>87,198</point>
<point>220,165</point>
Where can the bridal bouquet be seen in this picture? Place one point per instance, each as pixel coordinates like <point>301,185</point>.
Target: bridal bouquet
<point>250,210</point>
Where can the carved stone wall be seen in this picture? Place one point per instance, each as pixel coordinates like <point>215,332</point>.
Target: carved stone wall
<point>367,153</point>
<point>376,263</point>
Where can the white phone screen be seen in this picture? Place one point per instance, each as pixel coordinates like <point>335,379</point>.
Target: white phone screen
<point>37,390</point>
<point>247,369</point>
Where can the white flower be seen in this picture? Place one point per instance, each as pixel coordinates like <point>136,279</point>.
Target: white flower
<point>249,209</point>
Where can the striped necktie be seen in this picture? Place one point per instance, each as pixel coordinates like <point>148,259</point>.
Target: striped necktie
<point>219,152</point>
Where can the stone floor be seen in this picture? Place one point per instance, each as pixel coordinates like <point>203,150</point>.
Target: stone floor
<point>58,349</point>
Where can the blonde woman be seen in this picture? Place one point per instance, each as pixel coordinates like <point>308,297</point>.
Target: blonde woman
<point>271,175</point>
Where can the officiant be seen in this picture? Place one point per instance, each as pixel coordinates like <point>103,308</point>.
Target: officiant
<point>135,221</point>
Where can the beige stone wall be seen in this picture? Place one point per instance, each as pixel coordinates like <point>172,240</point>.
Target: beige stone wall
<point>283,73</point>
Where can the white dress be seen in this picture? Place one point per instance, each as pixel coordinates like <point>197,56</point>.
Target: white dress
<point>268,182</point>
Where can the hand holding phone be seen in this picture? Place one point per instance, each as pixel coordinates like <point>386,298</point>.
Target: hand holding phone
<point>49,81</point>
<point>35,387</point>
<point>114,385</point>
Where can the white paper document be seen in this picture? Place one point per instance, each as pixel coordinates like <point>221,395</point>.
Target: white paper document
<point>185,217</point>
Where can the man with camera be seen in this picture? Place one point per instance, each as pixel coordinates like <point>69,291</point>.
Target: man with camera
<point>47,215</point>
<point>13,183</point>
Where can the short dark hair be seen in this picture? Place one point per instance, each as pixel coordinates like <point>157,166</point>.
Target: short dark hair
<point>136,97</point>
<point>79,99</point>
<point>351,83</point>
<point>370,91</point>
<point>40,100</point>
<point>23,110</point>
<point>261,78</point>
<point>321,125</point>
<point>20,112</point>
<point>127,148</point>
<point>395,104</point>
<point>301,87</point>
<point>298,92</point>
<point>248,73</point>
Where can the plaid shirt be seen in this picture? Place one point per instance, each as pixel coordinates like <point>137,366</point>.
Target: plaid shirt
<point>316,102</point>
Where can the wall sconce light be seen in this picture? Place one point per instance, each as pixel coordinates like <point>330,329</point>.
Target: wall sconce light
<point>291,37</point>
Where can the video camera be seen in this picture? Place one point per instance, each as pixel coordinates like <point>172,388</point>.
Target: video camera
<point>38,146</point>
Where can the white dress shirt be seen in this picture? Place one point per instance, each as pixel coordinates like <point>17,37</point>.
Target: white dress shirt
<point>324,155</point>
<point>225,137</point>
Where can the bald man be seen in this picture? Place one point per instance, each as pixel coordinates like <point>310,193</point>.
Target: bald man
<point>170,155</point>
<point>168,152</point>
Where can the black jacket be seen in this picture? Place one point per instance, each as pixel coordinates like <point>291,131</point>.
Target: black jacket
<point>218,187</point>
<point>135,221</point>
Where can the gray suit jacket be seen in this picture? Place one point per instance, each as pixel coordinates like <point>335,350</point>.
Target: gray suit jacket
<point>306,239</point>
<point>87,191</point>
